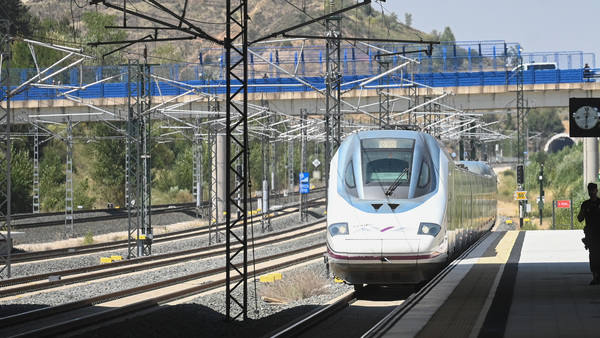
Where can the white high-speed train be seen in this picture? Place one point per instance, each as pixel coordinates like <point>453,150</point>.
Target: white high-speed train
<point>399,208</point>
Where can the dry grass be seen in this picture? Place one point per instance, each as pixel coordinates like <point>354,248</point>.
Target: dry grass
<point>294,286</point>
<point>111,237</point>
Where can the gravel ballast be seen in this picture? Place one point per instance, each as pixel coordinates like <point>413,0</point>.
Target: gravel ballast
<point>205,316</point>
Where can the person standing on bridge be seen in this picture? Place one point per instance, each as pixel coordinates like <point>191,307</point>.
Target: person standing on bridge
<point>590,211</point>
<point>587,73</point>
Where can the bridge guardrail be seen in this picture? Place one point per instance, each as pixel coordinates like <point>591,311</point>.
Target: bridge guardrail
<point>447,79</point>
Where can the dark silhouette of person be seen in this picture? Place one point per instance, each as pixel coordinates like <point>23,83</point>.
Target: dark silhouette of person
<point>590,211</point>
<point>587,73</point>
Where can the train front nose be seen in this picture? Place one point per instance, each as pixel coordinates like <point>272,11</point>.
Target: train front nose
<point>375,261</point>
<point>391,260</point>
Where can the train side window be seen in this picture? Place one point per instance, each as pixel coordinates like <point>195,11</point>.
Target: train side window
<point>349,176</point>
<point>424,175</point>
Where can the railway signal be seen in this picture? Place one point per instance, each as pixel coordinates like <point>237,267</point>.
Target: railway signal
<point>520,174</point>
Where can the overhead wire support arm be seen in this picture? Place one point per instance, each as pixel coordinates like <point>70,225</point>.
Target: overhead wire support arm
<point>192,29</point>
<point>306,23</point>
<point>341,37</point>
<point>147,38</point>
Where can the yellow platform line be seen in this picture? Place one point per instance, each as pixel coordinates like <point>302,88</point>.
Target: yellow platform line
<point>503,249</point>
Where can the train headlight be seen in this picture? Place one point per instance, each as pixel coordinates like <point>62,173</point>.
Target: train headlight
<point>431,229</point>
<point>338,229</point>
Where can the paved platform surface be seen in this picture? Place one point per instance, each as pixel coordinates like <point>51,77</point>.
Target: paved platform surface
<point>513,284</point>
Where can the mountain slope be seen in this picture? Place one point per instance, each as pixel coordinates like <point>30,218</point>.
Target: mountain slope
<point>266,16</point>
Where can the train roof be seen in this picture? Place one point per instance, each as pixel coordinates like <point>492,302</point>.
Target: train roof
<point>388,133</point>
<point>478,167</point>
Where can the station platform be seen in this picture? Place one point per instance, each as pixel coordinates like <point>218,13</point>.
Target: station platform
<point>512,284</point>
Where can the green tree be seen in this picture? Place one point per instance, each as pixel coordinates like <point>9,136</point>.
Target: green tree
<point>47,29</point>
<point>545,121</point>
<point>447,35</point>
<point>184,170</point>
<point>95,27</point>
<point>18,15</point>
<point>109,167</point>
<point>52,176</point>
<point>81,194</point>
<point>408,19</point>
<point>21,181</point>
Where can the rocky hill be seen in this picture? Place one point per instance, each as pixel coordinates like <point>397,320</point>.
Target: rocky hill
<point>266,16</point>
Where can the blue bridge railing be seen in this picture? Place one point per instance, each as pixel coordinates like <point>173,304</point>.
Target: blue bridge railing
<point>470,63</point>
<point>286,84</point>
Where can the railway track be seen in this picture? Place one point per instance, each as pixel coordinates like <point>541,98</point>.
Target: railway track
<point>388,321</point>
<point>112,213</point>
<point>86,313</point>
<point>367,313</point>
<point>99,247</point>
<point>349,315</point>
<point>44,281</point>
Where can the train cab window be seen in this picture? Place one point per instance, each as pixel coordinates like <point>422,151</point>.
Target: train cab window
<point>349,176</point>
<point>424,176</point>
<point>385,161</point>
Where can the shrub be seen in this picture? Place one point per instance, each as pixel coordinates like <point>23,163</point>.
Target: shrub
<point>88,238</point>
<point>295,286</point>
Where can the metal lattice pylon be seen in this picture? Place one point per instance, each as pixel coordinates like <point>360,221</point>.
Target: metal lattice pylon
<point>384,95</point>
<point>303,166</point>
<point>273,120</point>
<point>137,161</point>
<point>132,161</point>
<point>521,129</point>
<point>333,78</point>
<point>36,170</point>
<point>265,221</point>
<point>290,167</point>
<point>236,57</point>
<point>413,95</point>
<point>69,230</point>
<point>5,177</point>
<point>197,169</point>
<point>213,223</point>
<point>146,238</point>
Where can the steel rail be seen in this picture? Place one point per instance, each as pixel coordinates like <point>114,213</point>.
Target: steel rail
<point>31,317</point>
<point>122,212</point>
<point>315,317</point>
<point>139,264</point>
<point>99,247</point>
<point>388,321</point>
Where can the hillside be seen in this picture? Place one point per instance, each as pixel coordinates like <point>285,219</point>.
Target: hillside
<point>266,16</point>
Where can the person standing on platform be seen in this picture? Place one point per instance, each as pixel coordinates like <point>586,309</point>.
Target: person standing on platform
<point>590,211</point>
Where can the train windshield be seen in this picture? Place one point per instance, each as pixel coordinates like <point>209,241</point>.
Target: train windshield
<point>386,161</point>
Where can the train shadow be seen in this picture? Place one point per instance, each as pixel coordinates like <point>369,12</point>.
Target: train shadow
<point>7,310</point>
<point>386,292</point>
<point>195,320</point>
